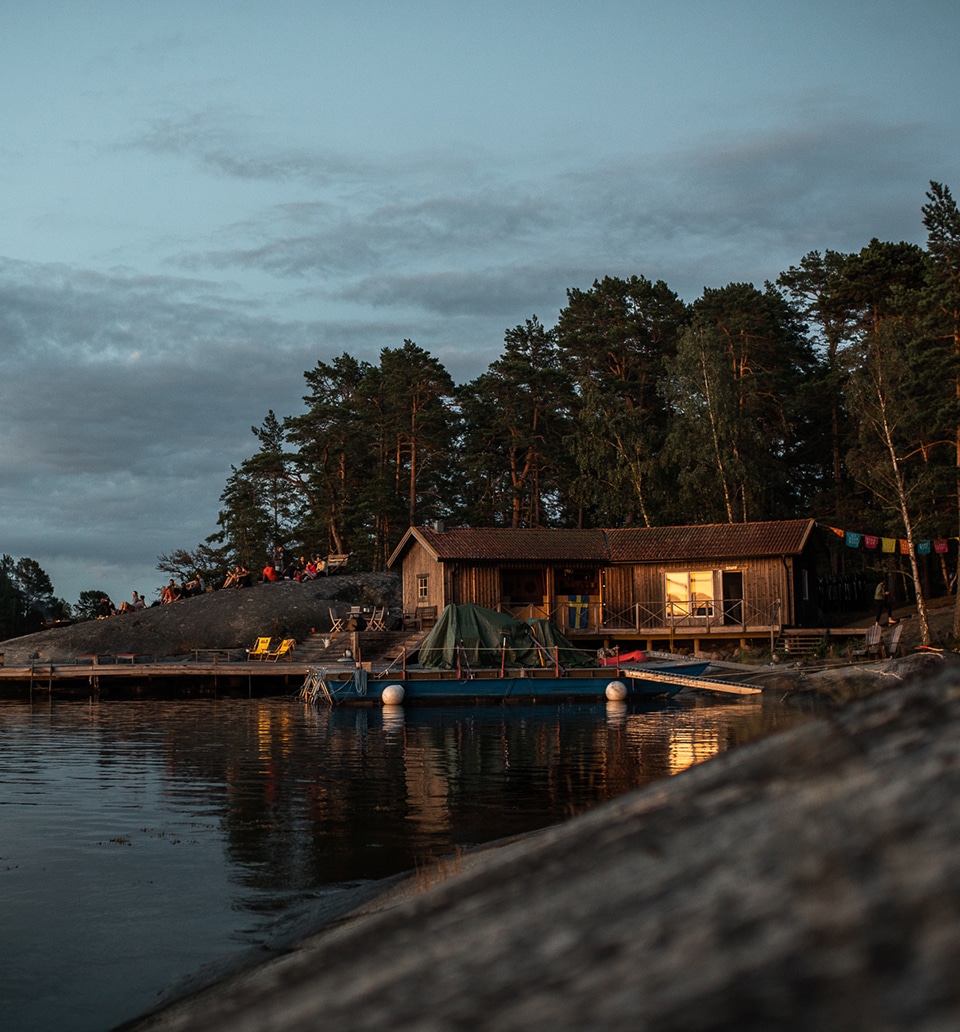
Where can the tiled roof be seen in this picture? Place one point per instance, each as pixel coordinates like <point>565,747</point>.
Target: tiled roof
<point>504,543</point>
<point>712,541</point>
<point>624,545</point>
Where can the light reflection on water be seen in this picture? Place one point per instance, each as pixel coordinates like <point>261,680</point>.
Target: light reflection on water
<point>140,839</point>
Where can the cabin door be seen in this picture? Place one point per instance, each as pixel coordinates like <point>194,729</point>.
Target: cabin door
<point>732,587</point>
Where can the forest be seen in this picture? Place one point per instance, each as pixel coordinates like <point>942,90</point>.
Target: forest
<point>833,393</point>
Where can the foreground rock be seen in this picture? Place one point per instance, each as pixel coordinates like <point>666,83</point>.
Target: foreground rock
<point>218,620</point>
<point>808,881</point>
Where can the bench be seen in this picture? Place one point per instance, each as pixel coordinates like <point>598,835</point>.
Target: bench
<point>422,618</point>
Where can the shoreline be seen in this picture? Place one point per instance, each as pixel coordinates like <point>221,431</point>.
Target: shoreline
<point>705,890</point>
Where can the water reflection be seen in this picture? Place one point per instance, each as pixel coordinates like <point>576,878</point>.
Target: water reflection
<point>139,840</point>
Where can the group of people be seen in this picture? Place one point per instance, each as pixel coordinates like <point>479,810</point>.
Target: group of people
<point>172,592</point>
<point>279,568</point>
<point>238,577</point>
<point>106,608</point>
<point>282,568</point>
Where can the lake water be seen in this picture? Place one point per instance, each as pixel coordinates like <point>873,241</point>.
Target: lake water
<point>141,840</point>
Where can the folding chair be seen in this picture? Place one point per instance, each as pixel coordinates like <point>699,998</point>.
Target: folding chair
<point>872,643</point>
<point>283,649</point>
<point>377,622</point>
<point>260,649</point>
<point>893,645</point>
<point>336,622</point>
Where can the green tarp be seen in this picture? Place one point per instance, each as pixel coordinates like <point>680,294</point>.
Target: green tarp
<point>470,637</point>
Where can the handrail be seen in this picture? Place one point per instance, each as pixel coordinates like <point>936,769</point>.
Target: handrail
<point>659,614</point>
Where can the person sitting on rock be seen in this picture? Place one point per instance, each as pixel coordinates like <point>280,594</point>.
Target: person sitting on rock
<point>269,573</point>
<point>194,587</point>
<point>105,608</point>
<point>170,593</point>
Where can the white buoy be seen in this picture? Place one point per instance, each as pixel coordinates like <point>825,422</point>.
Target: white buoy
<point>392,695</point>
<point>616,691</point>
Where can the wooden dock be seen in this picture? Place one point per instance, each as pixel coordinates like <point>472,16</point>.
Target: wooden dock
<point>205,674</point>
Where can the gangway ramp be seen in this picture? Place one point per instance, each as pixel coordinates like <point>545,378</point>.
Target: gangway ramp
<point>707,684</point>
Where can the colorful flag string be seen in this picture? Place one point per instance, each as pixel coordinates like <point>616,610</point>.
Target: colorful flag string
<point>871,542</point>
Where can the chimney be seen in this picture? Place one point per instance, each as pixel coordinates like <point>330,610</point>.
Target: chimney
<point>438,526</point>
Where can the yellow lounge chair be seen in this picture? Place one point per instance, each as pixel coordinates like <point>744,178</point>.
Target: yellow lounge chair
<point>260,649</point>
<point>283,649</point>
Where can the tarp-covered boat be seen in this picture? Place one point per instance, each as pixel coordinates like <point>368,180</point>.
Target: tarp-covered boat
<point>474,653</point>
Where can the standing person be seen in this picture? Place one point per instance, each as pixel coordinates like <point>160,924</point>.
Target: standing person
<point>882,598</point>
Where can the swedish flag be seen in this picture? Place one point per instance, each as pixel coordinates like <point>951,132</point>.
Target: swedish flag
<point>578,610</point>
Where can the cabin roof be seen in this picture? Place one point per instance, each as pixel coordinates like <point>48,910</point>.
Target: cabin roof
<point>710,541</point>
<point>507,544</point>
<point>623,545</point>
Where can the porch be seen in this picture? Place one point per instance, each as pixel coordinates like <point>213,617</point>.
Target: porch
<point>582,618</point>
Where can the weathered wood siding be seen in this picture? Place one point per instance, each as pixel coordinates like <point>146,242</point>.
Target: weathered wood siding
<point>618,588</point>
<point>419,562</point>
<point>479,585</point>
<point>763,580</point>
<point>624,587</point>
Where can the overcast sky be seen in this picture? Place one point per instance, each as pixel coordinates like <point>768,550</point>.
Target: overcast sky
<point>200,200</point>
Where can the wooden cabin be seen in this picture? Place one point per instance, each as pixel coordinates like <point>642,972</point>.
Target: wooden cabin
<point>651,585</point>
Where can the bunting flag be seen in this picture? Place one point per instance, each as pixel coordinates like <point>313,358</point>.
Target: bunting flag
<point>853,539</point>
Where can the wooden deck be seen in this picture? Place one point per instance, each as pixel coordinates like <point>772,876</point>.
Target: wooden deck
<point>212,669</point>
<point>41,676</point>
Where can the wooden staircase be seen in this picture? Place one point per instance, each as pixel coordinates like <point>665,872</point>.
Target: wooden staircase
<point>799,641</point>
<point>378,647</point>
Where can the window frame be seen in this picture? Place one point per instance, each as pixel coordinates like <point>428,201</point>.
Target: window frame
<point>687,599</point>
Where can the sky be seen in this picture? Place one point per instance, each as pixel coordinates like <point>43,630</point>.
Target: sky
<point>201,200</point>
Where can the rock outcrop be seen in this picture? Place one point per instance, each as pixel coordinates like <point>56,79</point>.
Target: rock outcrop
<point>224,619</point>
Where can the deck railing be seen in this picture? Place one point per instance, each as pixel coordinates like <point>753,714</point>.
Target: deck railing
<point>660,615</point>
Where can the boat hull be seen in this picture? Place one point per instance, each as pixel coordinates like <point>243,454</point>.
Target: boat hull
<point>532,686</point>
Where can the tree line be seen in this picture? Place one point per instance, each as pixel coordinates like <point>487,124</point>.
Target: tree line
<point>27,600</point>
<point>833,392</point>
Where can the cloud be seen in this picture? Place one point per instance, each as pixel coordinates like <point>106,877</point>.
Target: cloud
<point>127,393</point>
<point>729,205</point>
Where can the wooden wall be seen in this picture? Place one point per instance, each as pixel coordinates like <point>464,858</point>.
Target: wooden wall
<point>418,561</point>
<point>763,579</point>
<point>623,586</point>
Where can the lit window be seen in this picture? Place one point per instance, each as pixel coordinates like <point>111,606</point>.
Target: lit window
<point>689,592</point>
